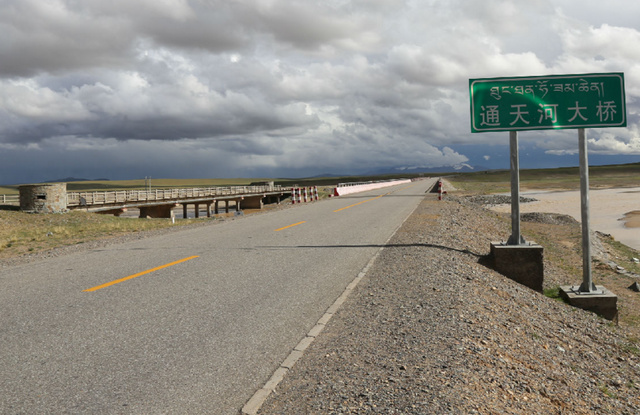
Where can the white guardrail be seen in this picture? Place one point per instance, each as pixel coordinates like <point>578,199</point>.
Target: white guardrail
<point>348,188</point>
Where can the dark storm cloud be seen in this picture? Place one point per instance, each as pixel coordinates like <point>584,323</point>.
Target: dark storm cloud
<point>284,84</point>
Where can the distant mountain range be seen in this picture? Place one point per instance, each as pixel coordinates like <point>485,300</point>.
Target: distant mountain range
<point>462,168</point>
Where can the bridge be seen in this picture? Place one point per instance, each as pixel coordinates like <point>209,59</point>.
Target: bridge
<point>153,203</point>
<point>160,203</point>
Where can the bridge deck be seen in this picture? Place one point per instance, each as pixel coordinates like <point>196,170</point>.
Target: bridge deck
<point>96,201</point>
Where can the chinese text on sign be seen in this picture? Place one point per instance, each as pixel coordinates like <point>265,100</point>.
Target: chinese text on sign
<point>547,102</point>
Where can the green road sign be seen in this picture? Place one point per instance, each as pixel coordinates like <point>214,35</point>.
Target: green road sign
<point>548,102</point>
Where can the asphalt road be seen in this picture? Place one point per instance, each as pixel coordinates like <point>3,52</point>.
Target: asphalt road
<point>197,336</point>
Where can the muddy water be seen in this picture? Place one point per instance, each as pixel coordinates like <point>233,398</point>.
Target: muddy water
<point>612,211</point>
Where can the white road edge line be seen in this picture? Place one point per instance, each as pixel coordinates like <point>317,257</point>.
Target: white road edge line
<point>253,405</point>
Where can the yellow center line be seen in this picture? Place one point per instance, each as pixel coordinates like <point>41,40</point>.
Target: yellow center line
<point>290,226</point>
<point>359,203</point>
<point>402,188</point>
<point>108,284</point>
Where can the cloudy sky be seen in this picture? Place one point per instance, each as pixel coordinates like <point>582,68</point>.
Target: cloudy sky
<point>124,89</point>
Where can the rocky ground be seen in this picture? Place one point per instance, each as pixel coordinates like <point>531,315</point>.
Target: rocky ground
<point>430,330</point>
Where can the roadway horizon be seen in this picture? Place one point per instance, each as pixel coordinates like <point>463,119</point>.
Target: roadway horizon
<point>411,172</point>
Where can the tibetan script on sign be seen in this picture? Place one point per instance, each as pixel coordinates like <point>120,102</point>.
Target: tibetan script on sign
<point>548,102</point>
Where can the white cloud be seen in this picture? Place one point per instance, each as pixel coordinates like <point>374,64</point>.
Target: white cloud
<point>288,84</point>
<point>626,141</point>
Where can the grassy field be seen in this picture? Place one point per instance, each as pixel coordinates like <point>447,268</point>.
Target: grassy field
<point>565,178</point>
<point>23,233</point>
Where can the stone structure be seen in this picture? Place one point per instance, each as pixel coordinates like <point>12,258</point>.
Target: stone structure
<point>43,198</point>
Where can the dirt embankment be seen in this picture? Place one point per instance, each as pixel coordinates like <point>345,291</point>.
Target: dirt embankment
<point>632,219</point>
<point>613,210</point>
<point>432,330</point>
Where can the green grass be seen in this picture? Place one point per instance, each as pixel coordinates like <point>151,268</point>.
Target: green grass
<point>604,389</point>
<point>552,292</point>
<point>559,253</point>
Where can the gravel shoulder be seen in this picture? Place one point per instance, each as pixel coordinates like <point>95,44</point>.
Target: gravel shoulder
<point>431,330</point>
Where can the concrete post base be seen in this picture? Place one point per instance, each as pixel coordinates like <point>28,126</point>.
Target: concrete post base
<point>604,304</point>
<point>521,263</point>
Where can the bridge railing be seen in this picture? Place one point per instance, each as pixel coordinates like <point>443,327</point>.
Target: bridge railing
<point>351,184</point>
<point>75,199</point>
<point>9,200</point>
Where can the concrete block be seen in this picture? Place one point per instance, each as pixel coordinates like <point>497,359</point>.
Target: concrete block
<point>253,406</point>
<point>521,263</point>
<point>325,318</point>
<point>604,304</point>
<point>276,378</point>
<point>316,330</point>
<point>291,360</point>
<point>304,344</point>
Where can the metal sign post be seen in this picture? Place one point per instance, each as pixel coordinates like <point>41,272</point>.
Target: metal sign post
<point>515,238</point>
<point>587,281</point>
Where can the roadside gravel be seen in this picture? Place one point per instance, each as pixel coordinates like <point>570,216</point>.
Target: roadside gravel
<point>430,330</point>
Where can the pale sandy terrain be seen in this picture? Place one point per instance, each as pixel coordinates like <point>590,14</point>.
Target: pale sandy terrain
<point>612,211</point>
